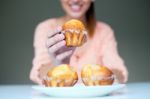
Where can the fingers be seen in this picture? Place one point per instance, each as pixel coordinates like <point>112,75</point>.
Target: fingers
<point>55,39</point>
<point>69,48</point>
<point>57,46</point>
<point>59,29</point>
<point>35,76</point>
<point>64,55</point>
<point>119,74</point>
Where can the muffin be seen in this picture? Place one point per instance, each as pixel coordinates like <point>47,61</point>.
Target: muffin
<point>75,33</point>
<point>93,75</point>
<point>61,76</point>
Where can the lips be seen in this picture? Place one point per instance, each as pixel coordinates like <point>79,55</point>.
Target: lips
<point>75,7</point>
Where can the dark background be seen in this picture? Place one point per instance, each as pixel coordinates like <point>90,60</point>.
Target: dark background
<point>130,20</point>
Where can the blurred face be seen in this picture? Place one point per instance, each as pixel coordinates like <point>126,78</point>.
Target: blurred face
<point>75,8</point>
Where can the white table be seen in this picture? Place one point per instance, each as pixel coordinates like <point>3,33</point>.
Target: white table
<point>132,91</point>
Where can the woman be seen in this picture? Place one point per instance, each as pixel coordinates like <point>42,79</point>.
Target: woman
<point>100,48</point>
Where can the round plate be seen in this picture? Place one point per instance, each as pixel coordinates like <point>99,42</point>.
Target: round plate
<point>78,90</point>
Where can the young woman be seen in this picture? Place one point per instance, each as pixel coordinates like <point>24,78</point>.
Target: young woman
<point>100,48</point>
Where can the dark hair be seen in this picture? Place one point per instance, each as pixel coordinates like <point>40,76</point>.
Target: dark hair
<point>91,20</point>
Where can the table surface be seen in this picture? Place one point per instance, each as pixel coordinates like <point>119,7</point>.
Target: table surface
<point>132,91</point>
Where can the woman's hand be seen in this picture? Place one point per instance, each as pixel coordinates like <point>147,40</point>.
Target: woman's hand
<point>59,53</point>
<point>57,47</point>
<point>38,72</point>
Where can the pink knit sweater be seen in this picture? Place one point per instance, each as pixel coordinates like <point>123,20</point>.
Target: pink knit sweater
<point>100,49</point>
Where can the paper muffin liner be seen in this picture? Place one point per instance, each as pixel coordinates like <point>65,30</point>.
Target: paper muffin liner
<point>75,37</point>
<point>98,80</point>
<point>56,82</point>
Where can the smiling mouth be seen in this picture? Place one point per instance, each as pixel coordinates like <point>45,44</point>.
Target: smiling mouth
<point>76,7</point>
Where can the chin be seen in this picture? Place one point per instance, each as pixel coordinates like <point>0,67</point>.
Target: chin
<point>76,15</point>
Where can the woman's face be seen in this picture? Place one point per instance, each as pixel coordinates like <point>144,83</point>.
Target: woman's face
<point>76,8</point>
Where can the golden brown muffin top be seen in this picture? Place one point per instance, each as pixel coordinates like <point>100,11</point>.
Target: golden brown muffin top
<point>90,69</point>
<point>74,24</point>
<point>63,71</point>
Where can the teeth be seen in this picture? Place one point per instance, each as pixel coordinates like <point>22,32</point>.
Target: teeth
<point>75,7</point>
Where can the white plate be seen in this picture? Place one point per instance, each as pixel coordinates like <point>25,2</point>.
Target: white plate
<point>79,90</point>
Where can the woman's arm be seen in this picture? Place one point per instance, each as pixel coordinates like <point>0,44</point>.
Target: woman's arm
<point>41,60</point>
<point>102,50</point>
<point>112,59</point>
<point>50,49</point>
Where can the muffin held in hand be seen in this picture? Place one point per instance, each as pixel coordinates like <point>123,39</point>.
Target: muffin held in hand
<point>75,33</point>
<point>61,76</point>
<point>93,75</point>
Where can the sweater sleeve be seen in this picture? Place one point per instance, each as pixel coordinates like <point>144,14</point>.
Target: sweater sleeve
<point>111,57</point>
<point>41,57</point>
